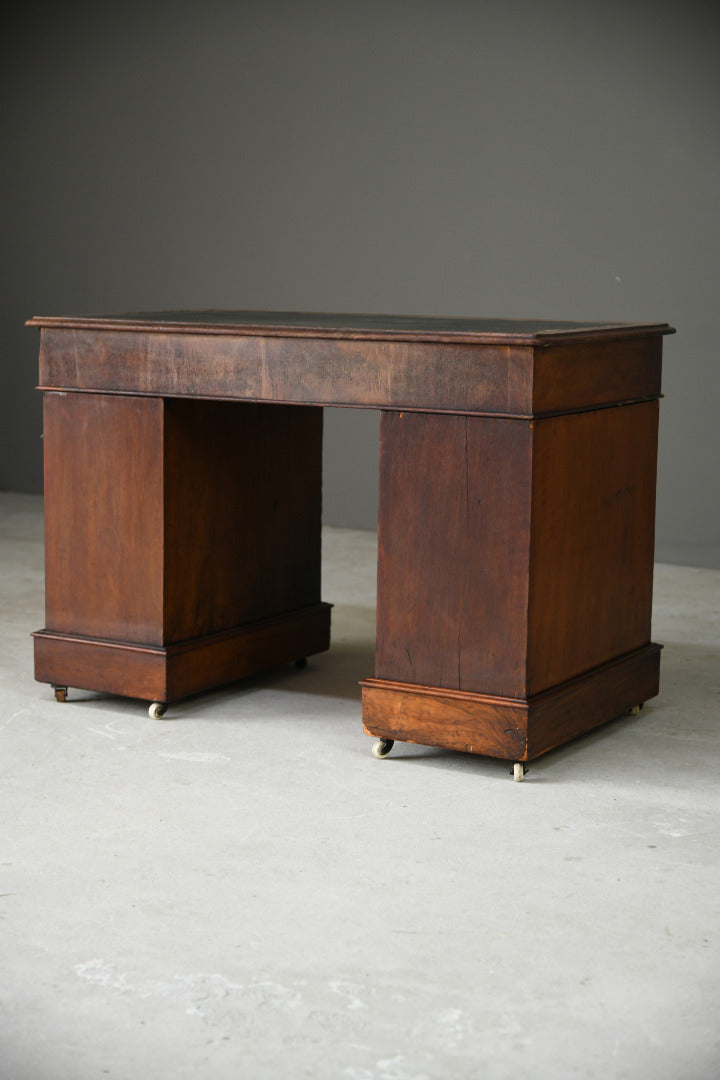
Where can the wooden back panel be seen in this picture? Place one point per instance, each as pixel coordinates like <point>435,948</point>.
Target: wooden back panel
<point>242,513</point>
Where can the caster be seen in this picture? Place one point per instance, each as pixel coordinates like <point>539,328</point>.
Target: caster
<point>301,663</point>
<point>60,693</point>
<point>157,710</point>
<point>382,747</point>
<point>635,709</point>
<point>518,771</point>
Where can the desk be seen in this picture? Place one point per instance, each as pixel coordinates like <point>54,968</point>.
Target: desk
<point>516,513</point>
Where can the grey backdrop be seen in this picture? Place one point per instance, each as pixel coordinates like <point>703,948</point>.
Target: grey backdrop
<point>555,159</point>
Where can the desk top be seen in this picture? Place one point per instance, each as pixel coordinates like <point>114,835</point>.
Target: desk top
<point>354,326</point>
<point>496,367</point>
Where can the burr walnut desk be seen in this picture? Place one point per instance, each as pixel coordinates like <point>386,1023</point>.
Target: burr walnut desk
<point>516,518</point>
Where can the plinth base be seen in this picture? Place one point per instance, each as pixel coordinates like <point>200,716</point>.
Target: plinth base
<point>165,674</point>
<point>509,728</point>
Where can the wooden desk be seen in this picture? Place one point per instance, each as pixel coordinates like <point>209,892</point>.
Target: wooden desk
<point>516,522</point>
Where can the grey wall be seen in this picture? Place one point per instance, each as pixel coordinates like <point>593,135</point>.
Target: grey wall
<point>555,159</point>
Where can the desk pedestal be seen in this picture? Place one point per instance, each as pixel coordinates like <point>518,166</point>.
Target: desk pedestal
<point>182,542</point>
<point>514,578</point>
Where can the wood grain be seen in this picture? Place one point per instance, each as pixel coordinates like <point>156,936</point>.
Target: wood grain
<point>169,673</point>
<point>242,509</point>
<point>473,723</point>
<point>453,551</point>
<point>591,559</point>
<point>326,371</point>
<point>172,522</point>
<point>582,704</point>
<point>573,375</point>
<point>474,366</point>
<point>104,516</point>
<point>514,730</point>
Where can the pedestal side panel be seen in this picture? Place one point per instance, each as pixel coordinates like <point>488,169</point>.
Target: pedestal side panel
<point>454,537</point>
<point>592,540</point>
<point>103,516</point>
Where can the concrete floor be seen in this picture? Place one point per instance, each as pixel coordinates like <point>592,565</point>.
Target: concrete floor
<point>243,891</point>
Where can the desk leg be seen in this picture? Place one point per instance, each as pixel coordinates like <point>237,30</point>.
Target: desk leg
<point>182,542</point>
<point>514,578</point>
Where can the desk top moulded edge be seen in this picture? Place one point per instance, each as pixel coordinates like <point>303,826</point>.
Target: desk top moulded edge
<point>481,331</point>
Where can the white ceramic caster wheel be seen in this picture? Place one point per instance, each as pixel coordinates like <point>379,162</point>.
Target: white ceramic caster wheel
<point>518,771</point>
<point>382,747</point>
<point>635,709</point>
<point>157,710</point>
<point>60,693</point>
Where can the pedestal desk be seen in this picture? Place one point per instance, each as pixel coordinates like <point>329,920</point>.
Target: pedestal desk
<point>516,513</point>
